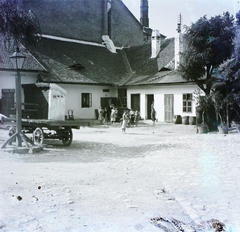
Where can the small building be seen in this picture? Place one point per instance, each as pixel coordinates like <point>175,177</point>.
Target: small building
<point>44,101</point>
<point>157,79</point>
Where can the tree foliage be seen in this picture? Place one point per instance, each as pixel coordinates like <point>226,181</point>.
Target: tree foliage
<point>17,25</point>
<point>229,73</point>
<point>209,42</point>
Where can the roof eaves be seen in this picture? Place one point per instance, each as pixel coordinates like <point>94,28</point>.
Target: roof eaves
<point>160,84</point>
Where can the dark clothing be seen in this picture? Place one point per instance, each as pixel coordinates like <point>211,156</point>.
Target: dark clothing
<point>153,116</point>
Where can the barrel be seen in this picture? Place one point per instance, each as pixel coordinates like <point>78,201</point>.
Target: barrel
<point>177,119</point>
<point>185,120</point>
<point>192,120</point>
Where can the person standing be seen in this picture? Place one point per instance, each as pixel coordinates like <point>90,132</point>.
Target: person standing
<point>131,115</point>
<point>100,115</point>
<point>136,117</point>
<point>153,113</point>
<point>113,115</point>
<point>105,116</point>
<point>125,119</point>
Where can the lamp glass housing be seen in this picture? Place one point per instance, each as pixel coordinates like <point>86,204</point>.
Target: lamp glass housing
<point>17,59</point>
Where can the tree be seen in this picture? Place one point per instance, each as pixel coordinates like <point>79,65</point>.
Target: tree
<point>229,74</point>
<point>209,42</point>
<point>17,25</point>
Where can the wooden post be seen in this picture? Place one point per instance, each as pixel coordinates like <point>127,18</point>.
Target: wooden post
<point>18,108</point>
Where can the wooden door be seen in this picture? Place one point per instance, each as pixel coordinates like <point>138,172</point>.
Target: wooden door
<point>8,102</point>
<point>168,107</point>
<point>122,98</point>
<point>150,99</point>
<point>135,102</point>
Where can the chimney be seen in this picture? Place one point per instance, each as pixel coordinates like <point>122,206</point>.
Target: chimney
<point>178,40</point>
<point>156,43</point>
<point>105,18</point>
<point>144,20</point>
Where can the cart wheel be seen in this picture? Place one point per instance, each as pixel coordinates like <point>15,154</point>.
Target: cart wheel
<point>67,136</point>
<point>38,136</point>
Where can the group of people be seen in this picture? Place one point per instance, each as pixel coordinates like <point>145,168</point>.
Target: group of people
<point>106,116</point>
<point>129,118</point>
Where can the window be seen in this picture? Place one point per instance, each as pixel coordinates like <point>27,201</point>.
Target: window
<point>187,102</point>
<point>86,100</point>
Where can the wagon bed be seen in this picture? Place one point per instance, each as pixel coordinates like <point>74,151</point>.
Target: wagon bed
<point>50,123</point>
<point>42,129</point>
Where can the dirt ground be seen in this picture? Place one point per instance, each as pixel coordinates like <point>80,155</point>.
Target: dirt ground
<point>109,181</point>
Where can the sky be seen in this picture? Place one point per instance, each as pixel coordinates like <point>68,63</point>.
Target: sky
<point>163,14</point>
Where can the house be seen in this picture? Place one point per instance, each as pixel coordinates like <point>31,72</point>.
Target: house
<point>158,80</point>
<point>88,73</point>
<point>111,58</point>
<point>69,27</point>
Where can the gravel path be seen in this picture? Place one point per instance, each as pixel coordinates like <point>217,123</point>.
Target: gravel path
<point>109,181</point>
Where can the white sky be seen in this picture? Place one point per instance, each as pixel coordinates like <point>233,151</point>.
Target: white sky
<point>163,14</point>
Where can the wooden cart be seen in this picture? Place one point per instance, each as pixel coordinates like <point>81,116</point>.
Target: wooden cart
<point>42,129</point>
<point>44,115</point>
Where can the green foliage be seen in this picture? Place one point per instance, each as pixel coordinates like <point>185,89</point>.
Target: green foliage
<point>229,71</point>
<point>17,25</point>
<point>209,44</point>
<point>205,109</point>
<point>203,102</point>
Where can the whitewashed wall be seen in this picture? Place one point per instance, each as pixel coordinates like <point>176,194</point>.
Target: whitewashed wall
<point>159,92</point>
<point>74,101</point>
<point>74,92</point>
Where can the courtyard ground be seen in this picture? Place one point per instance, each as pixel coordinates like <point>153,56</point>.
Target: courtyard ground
<point>108,181</point>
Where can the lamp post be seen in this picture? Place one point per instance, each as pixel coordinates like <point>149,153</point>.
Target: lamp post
<point>17,59</point>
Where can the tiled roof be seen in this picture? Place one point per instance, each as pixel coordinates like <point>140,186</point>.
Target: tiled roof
<point>65,59</point>
<point>69,62</point>
<point>142,63</point>
<point>84,20</point>
<point>67,18</point>
<point>166,55</point>
<point>30,63</point>
<point>148,71</point>
<point>140,60</point>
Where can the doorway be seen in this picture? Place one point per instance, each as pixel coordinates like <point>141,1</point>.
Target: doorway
<point>135,102</point>
<point>168,107</point>
<point>7,102</point>
<point>150,99</point>
<point>108,101</point>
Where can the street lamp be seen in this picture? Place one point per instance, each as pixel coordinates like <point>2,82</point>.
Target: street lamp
<point>17,59</point>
